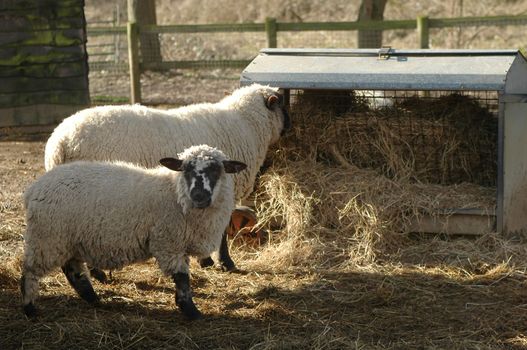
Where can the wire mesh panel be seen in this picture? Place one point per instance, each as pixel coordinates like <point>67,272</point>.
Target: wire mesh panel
<point>210,46</point>
<point>107,55</point>
<point>106,48</point>
<point>344,39</point>
<point>438,137</point>
<point>321,39</point>
<point>481,37</point>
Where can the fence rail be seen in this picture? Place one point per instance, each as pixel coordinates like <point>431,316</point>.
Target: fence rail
<point>271,28</point>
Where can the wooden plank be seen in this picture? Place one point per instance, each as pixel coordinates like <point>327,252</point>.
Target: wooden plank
<point>423,32</point>
<point>110,65</point>
<point>460,224</point>
<point>477,21</point>
<point>40,114</point>
<point>15,56</point>
<point>64,97</point>
<point>51,70</point>
<point>39,4</point>
<point>48,12</point>
<point>204,28</point>
<point>131,7</point>
<point>96,31</point>
<point>363,25</point>
<point>24,84</point>
<point>315,26</point>
<point>270,30</point>
<point>23,23</point>
<point>56,38</point>
<point>133,60</point>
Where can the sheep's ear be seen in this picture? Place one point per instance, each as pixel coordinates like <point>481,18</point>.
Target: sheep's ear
<point>272,101</point>
<point>172,163</point>
<point>233,166</point>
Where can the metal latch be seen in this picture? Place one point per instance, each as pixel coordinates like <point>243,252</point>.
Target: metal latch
<point>384,52</point>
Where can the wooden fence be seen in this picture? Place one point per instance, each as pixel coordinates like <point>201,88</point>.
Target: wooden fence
<point>272,27</point>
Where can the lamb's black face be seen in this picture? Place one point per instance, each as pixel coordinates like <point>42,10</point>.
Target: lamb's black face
<point>201,177</point>
<point>202,174</point>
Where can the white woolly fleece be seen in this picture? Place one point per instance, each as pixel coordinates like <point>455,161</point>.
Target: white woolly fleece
<point>240,125</point>
<point>113,214</point>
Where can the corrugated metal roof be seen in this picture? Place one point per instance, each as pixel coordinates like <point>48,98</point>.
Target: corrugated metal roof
<point>503,70</point>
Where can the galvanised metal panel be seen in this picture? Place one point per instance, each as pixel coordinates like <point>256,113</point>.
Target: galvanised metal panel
<point>514,206</point>
<point>504,71</point>
<point>399,70</point>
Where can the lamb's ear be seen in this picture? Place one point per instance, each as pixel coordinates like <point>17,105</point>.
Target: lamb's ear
<point>233,166</point>
<point>172,163</point>
<point>272,101</point>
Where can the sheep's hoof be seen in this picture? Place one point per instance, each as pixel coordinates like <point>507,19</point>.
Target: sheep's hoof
<point>206,262</point>
<point>190,311</point>
<point>228,266</point>
<point>30,310</point>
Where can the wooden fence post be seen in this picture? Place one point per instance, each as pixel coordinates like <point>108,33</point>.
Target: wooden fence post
<point>423,31</point>
<point>133,60</point>
<point>270,29</point>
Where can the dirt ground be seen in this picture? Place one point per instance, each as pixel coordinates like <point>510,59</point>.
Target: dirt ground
<point>435,293</point>
<point>421,300</point>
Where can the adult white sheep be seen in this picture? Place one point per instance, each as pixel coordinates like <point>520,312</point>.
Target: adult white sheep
<point>242,125</point>
<point>113,214</point>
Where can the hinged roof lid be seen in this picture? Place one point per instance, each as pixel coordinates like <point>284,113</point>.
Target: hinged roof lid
<point>349,69</point>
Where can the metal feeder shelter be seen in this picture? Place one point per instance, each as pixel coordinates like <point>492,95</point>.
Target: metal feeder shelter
<point>497,79</point>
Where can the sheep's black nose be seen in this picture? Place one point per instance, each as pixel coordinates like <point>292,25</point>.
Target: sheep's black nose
<point>200,198</point>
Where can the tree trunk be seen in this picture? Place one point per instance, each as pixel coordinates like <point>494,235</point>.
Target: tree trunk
<point>371,10</point>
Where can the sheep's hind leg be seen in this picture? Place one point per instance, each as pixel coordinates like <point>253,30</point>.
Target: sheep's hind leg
<point>225,259</point>
<point>98,274</point>
<point>227,264</point>
<point>184,296</point>
<point>206,262</point>
<point>78,277</point>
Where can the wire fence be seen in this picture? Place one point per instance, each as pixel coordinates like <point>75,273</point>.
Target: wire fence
<point>219,52</point>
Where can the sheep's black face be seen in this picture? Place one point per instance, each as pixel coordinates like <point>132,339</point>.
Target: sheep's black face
<point>203,174</point>
<point>275,102</point>
<point>201,177</point>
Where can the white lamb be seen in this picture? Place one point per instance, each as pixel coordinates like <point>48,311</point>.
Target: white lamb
<point>242,125</point>
<point>113,214</point>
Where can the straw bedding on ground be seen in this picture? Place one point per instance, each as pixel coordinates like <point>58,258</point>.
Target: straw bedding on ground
<point>340,269</point>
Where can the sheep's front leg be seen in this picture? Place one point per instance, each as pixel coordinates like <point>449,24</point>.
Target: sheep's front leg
<point>184,296</point>
<point>29,289</point>
<point>177,266</point>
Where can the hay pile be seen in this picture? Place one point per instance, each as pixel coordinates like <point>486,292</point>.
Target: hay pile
<point>345,185</point>
<point>446,140</point>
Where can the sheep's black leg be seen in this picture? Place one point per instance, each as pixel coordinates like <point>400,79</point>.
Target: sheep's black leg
<point>184,296</point>
<point>79,280</point>
<point>225,260</point>
<point>98,274</point>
